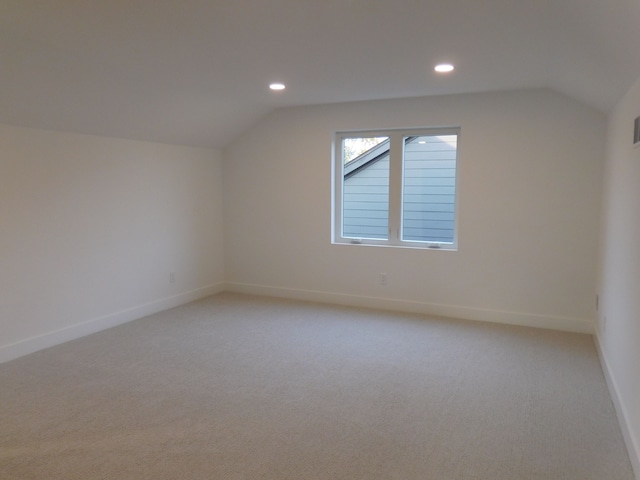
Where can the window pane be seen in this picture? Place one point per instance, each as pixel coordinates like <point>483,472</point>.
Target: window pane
<point>365,190</point>
<point>428,188</point>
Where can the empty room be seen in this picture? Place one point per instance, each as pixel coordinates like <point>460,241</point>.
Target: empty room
<point>302,239</point>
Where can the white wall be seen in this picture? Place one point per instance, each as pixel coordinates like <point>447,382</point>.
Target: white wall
<point>91,228</point>
<point>619,336</point>
<point>529,183</point>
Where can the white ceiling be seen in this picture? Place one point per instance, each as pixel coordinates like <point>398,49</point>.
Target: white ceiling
<point>195,72</point>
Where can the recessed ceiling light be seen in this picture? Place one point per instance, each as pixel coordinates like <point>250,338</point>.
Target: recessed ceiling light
<point>277,86</point>
<point>444,68</point>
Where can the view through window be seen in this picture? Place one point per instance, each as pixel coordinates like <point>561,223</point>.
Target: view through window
<point>396,188</point>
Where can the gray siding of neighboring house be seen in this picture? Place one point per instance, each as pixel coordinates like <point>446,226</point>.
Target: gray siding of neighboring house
<point>365,202</point>
<point>429,190</point>
<point>428,194</point>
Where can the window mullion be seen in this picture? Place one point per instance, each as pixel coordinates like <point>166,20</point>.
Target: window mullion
<point>395,187</point>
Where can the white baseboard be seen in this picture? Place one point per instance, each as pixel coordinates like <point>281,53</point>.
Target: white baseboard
<point>567,324</point>
<point>30,345</point>
<point>631,440</point>
<point>50,339</point>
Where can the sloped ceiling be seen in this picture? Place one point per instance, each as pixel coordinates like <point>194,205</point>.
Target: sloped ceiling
<point>196,72</point>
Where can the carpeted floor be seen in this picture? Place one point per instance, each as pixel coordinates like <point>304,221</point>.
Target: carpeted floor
<point>240,387</point>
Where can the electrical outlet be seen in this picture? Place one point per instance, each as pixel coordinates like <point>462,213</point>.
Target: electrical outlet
<point>172,277</point>
<point>383,279</point>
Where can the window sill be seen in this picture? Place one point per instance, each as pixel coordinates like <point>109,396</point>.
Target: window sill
<point>404,246</point>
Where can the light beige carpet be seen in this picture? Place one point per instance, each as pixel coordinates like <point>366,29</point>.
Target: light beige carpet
<point>240,387</point>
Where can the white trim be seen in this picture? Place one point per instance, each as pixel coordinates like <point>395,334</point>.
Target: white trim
<point>632,442</point>
<point>56,337</point>
<point>567,324</point>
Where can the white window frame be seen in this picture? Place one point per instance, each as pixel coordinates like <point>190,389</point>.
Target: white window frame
<point>396,173</point>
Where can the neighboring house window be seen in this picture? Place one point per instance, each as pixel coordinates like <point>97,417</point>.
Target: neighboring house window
<point>396,187</point>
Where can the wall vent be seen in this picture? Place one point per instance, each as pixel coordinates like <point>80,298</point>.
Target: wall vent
<point>636,132</point>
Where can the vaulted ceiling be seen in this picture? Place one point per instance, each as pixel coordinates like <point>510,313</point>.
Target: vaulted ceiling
<point>196,72</point>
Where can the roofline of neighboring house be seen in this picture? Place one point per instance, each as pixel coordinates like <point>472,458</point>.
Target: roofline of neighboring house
<point>369,157</point>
